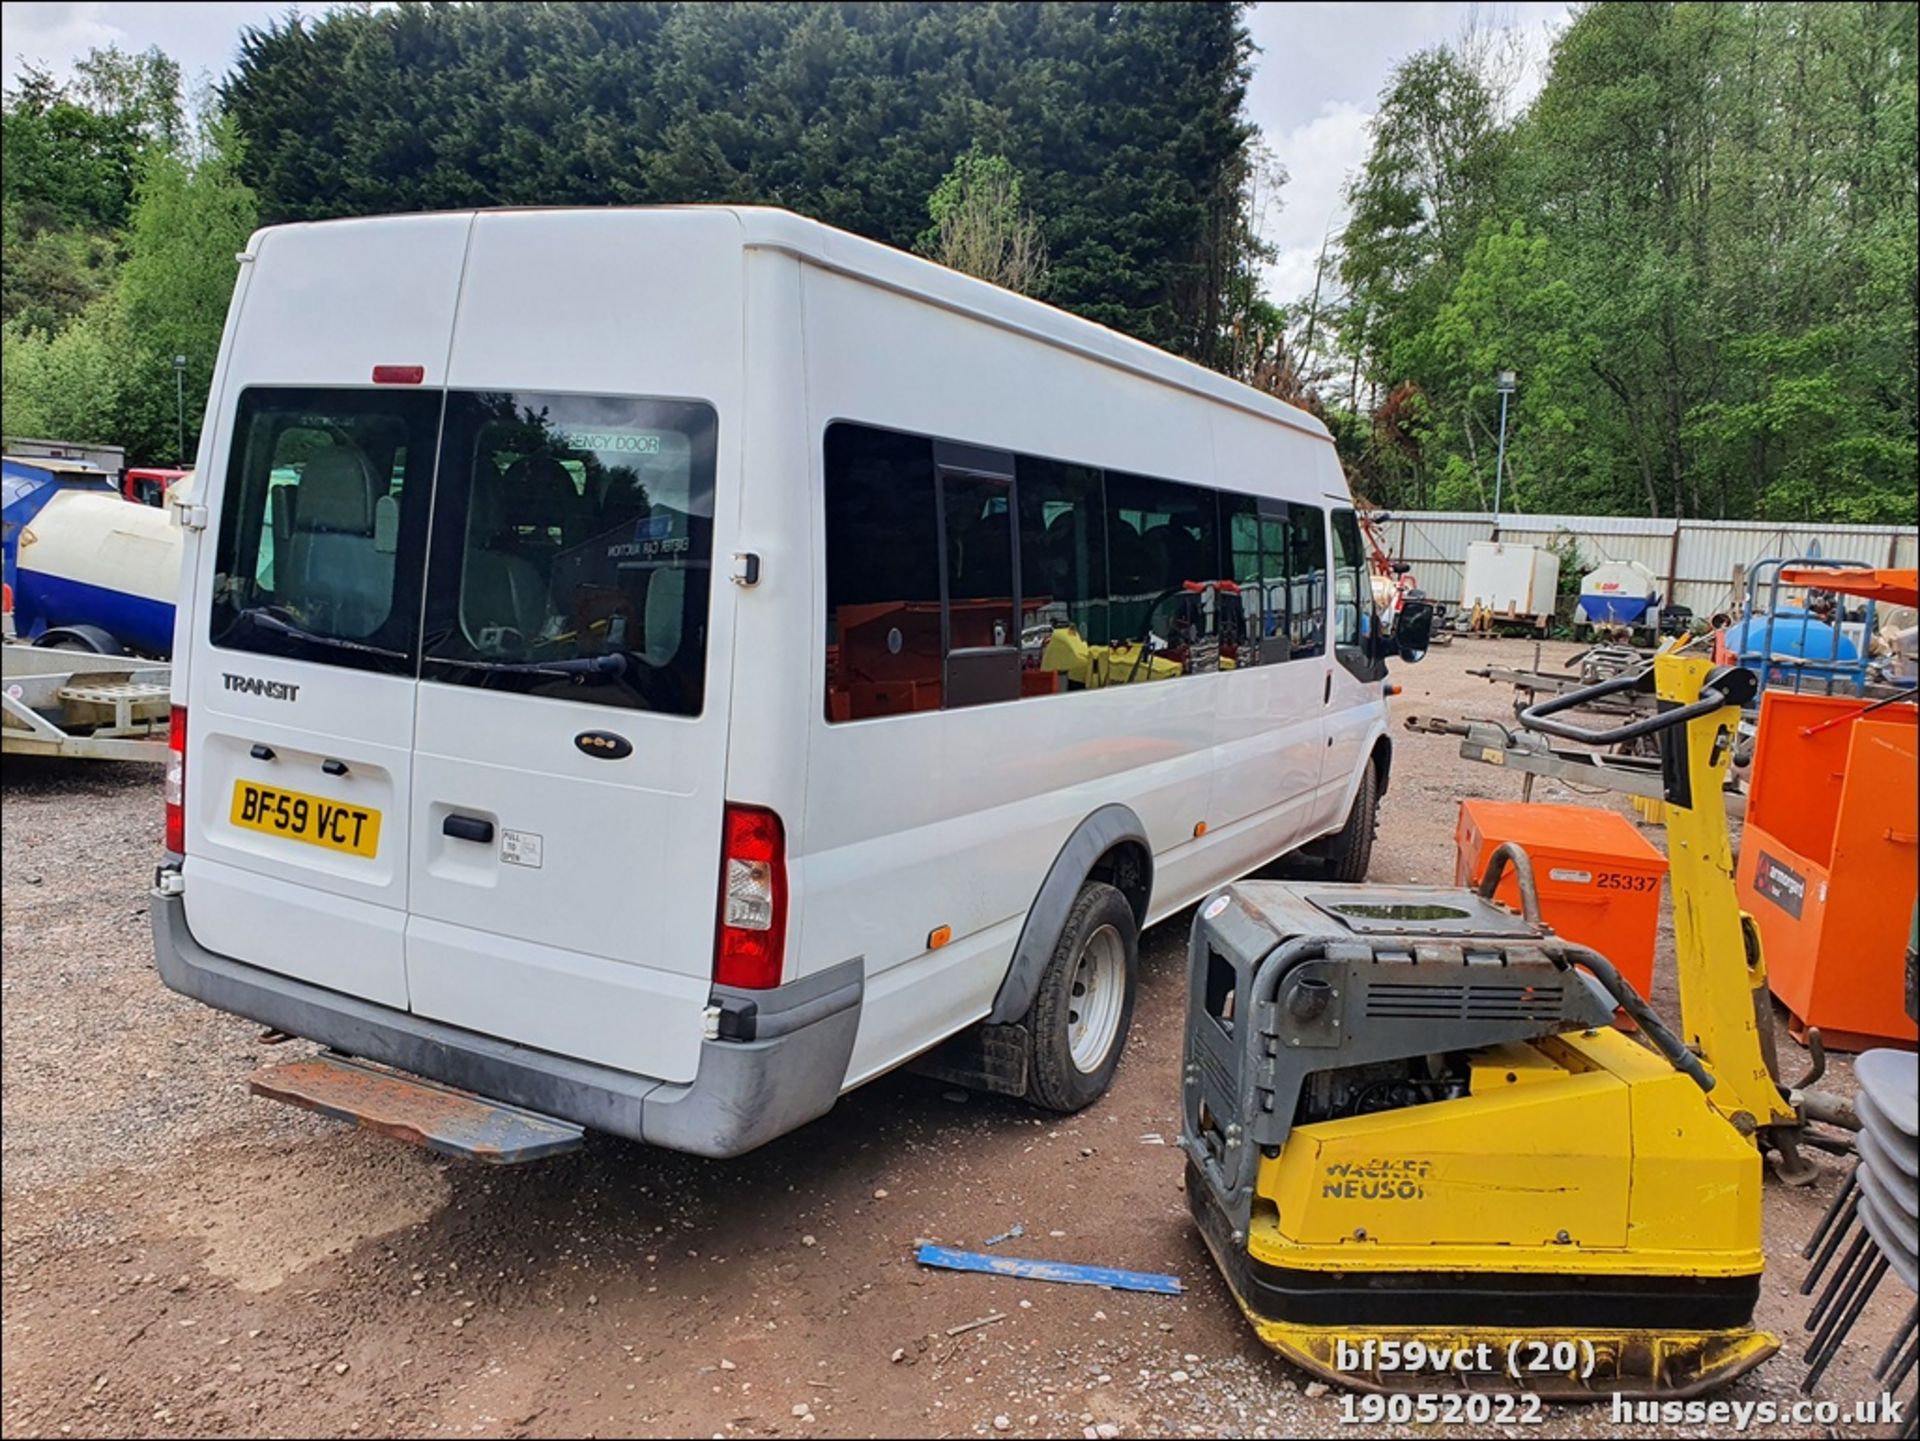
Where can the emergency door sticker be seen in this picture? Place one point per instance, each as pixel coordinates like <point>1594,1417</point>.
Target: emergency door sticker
<point>1781,884</point>
<point>521,848</point>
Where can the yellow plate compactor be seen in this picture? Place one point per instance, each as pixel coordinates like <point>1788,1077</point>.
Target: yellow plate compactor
<point>1408,1116</point>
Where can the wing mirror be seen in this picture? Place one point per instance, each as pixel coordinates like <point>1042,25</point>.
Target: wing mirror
<point>1414,631</point>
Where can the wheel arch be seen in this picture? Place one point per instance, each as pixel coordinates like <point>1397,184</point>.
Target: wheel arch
<point>93,639</point>
<point>1110,845</point>
<point>1382,757</point>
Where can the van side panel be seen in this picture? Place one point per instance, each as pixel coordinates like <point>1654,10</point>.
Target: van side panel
<point>912,822</point>
<point>1270,728</point>
<point>776,656</point>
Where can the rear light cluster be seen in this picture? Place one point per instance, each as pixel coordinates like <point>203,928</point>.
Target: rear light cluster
<point>175,788</point>
<point>750,946</point>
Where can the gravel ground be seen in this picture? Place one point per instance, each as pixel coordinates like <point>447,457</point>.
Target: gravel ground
<point>177,1259</point>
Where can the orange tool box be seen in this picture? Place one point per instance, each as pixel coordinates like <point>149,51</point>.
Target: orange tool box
<point>1827,862</point>
<point>1599,878</point>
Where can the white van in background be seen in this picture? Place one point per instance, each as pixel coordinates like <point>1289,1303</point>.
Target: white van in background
<point>664,668</point>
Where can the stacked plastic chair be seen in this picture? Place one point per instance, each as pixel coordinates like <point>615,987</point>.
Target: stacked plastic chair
<point>1872,1224</point>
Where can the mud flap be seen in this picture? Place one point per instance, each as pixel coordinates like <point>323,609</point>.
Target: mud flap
<point>421,1113</point>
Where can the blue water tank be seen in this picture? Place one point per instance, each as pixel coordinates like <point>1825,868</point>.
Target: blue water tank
<point>1789,632</point>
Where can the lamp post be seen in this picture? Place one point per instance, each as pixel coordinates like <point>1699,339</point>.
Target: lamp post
<point>1508,380</point>
<point>180,409</point>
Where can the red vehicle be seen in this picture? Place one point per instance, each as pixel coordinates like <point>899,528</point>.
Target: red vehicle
<point>147,485</point>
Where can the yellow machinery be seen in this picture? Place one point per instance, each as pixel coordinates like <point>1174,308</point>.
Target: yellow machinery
<point>1094,666</point>
<point>1408,1118</point>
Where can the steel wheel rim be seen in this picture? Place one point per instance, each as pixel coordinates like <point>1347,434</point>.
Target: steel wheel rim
<point>1095,996</point>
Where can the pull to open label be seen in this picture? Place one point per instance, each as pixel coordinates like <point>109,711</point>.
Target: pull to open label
<point>521,848</point>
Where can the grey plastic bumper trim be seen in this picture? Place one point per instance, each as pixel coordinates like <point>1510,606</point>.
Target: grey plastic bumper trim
<point>743,1094</point>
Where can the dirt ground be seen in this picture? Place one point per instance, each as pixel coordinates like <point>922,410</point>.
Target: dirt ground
<point>180,1260</point>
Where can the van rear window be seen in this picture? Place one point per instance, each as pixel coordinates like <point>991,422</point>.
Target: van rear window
<point>565,541</point>
<point>572,543</point>
<point>322,526</point>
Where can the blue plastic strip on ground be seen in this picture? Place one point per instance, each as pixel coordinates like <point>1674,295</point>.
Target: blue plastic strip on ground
<point>1065,1271</point>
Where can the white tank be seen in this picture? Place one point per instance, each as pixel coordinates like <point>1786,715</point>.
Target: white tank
<point>1618,592</point>
<point>92,558</point>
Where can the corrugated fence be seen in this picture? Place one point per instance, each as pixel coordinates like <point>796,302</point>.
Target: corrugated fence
<point>1694,560</point>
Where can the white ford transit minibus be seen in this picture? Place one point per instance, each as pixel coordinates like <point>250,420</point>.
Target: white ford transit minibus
<point>663,668</point>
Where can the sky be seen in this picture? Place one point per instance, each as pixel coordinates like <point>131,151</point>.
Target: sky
<point>1316,81</point>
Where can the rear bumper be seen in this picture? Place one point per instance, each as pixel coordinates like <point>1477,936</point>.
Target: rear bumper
<point>745,1093</point>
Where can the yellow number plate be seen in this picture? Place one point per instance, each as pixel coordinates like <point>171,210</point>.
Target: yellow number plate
<point>317,821</point>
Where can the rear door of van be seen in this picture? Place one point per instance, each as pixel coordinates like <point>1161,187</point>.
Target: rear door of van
<point>570,743</point>
<point>300,695</point>
<point>459,744</point>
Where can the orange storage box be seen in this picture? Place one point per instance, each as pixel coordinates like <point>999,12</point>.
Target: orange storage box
<point>1827,863</point>
<point>1599,878</point>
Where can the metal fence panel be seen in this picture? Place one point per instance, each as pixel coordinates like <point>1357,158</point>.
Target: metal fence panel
<point>1695,561</point>
<point>1711,553</point>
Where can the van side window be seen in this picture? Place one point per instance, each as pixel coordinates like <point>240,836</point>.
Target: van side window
<point>572,552</point>
<point>1306,579</point>
<point>1273,579</point>
<point>1354,617</point>
<point>1063,572</point>
<point>884,650</point>
<point>1163,555</point>
<point>959,575</point>
<point>1243,642</point>
<point>1352,586</point>
<point>1257,537</point>
<point>317,557</point>
<point>982,604</point>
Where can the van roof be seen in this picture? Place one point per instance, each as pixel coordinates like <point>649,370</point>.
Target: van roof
<point>770,228</point>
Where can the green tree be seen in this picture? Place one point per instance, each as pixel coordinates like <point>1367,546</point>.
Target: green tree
<point>108,375</point>
<point>189,221</point>
<point>1122,120</point>
<point>1697,246</point>
<point>981,227</point>
<point>66,386</point>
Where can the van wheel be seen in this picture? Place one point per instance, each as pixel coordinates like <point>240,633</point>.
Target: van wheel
<point>1352,848</point>
<point>1079,1018</point>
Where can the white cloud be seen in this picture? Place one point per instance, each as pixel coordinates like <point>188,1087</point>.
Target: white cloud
<point>1317,81</point>
<point>202,35</point>
<point>1319,156</point>
<point>52,37</point>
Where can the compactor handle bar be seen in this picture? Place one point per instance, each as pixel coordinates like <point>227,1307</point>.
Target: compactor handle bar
<point>1725,685</point>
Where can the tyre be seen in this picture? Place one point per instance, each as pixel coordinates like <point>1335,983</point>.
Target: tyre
<point>1080,1015</point>
<point>1351,850</point>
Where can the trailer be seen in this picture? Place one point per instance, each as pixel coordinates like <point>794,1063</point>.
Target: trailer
<point>89,707</point>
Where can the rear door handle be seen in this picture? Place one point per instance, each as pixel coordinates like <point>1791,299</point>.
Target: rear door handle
<point>467,828</point>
